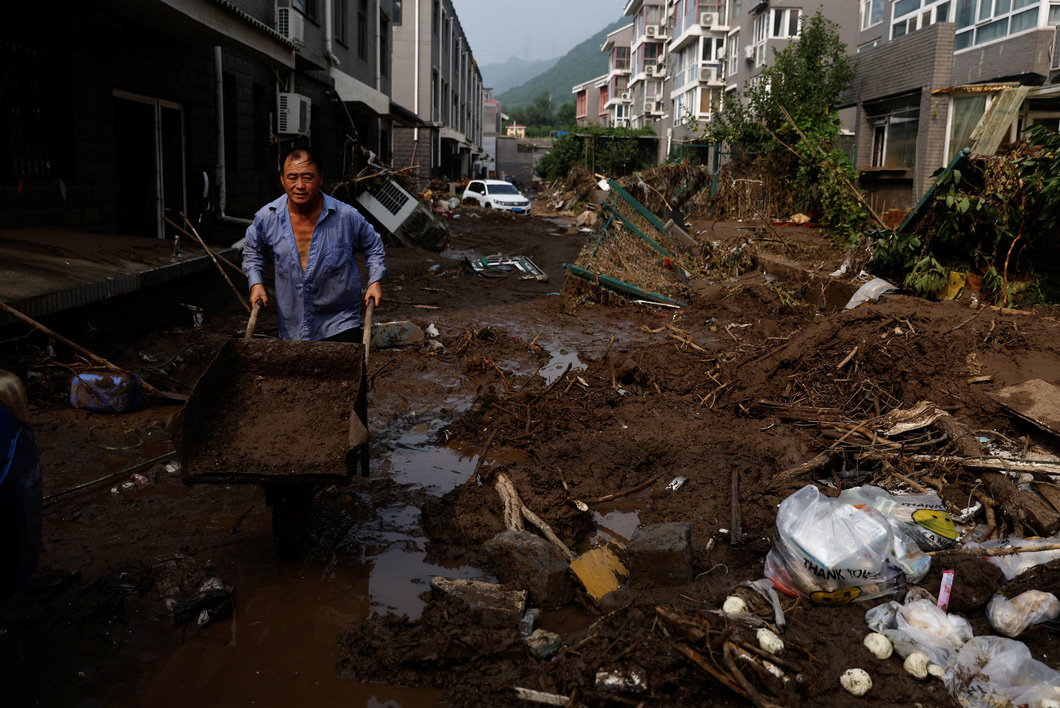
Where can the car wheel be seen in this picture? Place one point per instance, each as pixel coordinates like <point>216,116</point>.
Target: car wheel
<point>488,205</point>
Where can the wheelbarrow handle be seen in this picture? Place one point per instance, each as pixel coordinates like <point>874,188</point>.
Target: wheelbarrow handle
<point>258,304</point>
<point>368,310</point>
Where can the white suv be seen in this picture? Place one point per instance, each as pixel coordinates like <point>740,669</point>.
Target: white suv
<point>496,194</point>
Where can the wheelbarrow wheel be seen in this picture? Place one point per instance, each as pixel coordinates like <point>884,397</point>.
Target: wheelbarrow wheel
<point>289,511</point>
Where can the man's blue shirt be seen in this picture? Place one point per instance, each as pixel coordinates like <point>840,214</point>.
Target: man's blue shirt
<point>326,298</point>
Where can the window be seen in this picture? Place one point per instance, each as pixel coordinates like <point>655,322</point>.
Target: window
<point>760,28</point>
<point>871,13</point>
<point>397,13</point>
<point>362,29</point>
<point>734,53</point>
<point>966,112</point>
<point>620,59</point>
<point>306,7</point>
<point>341,20</point>
<point>895,124</point>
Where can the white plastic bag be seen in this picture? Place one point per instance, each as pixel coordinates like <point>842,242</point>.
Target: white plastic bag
<point>923,516</point>
<point>922,626</point>
<point>1011,617</point>
<point>834,552</point>
<point>1013,565</point>
<point>995,671</point>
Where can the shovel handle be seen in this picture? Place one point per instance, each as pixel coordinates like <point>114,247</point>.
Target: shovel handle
<point>253,319</point>
<point>368,310</point>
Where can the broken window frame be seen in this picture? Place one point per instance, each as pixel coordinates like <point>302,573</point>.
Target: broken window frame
<point>893,144</point>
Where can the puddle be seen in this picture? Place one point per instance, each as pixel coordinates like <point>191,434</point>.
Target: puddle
<point>558,363</point>
<point>280,646</point>
<point>617,521</point>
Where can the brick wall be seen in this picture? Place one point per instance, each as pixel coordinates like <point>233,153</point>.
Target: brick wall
<point>1024,54</point>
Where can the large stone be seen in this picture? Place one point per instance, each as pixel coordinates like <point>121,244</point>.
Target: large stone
<point>528,561</point>
<point>660,555</point>
<point>492,605</point>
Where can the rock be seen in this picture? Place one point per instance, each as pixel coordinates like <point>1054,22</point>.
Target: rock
<point>491,604</point>
<point>543,643</point>
<point>661,555</point>
<point>526,560</point>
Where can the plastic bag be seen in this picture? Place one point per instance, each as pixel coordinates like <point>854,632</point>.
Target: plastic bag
<point>919,625</point>
<point>923,516</point>
<point>870,292</point>
<point>834,552</point>
<point>1011,617</point>
<point>995,671</point>
<point>1016,563</point>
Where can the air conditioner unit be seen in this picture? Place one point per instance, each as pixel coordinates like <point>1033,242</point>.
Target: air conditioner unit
<point>659,108</point>
<point>625,96</point>
<point>663,31</point>
<point>721,55</point>
<point>293,113</point>
<point>1055,63</point>
<point>291,24</point>
<point>660,69</point>
<point>706,19</point>
<point>651,30</point>
<point>749,52</point>
<point>708,73</point>
<point>649,70</point>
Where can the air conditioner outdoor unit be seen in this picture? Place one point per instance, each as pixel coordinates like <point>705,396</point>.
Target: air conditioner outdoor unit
<point>660,69</point>
<point>708,73</point>
<point>293,113</point>
<point>706,19</point>
<point>290,24</point>
<point>651,30</point>
<point>659,107</point>
<point>1055,63</point>
<point>649,70</point>
<point>625,96</point>
<point>749,52</point>
<point>722,55</point>
<point>663,31</point>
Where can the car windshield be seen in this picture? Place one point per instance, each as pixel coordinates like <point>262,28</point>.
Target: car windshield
<point>502,189</point>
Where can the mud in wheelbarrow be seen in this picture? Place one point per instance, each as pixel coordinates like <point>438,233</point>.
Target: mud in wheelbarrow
<point>291,416</point>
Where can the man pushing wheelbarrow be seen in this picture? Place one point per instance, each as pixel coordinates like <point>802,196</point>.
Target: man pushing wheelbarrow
<point>292,415</point>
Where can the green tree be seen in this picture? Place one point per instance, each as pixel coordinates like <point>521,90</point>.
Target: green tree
<point>566,116</point>
<point>789,116</point>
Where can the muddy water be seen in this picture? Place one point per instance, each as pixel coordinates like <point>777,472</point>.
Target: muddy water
<point>280,646</point>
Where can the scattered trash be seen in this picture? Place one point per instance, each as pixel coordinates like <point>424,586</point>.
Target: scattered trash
<point>879,645</point>
<point>1011,617</point>
<point>631,681</point>
<point>139,480</point>
<point>834,552</point>
<point>1016,563</point>
<point>857,682</point>
<point>550,699</point>
<point>676,484</point>
<point>768,641</point>
<point>104,391</point>
<point>213,601</point>
<point>920,626</point>
<point>734,604</point>
<point>526,268</point>
<point>923,516</point>
<point>431,330</point>
<point>529,621</point>
<point>870,292</point>
<point>196,315</point>
<point>543,643</point>
<point>996,671</point>
<point>944,590</point>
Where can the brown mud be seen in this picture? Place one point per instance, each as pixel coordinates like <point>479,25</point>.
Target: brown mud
<point>578,401</point>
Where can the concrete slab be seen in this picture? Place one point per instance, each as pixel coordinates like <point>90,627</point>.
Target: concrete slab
<point>660,555</point>
<point>525,559</point>
<point>492,605</point>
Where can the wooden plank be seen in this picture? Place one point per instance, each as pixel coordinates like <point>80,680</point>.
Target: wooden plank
<point>1050,492</point>
<point>599,571</point>
<point>1022,506</point>
<point>1035,401</point>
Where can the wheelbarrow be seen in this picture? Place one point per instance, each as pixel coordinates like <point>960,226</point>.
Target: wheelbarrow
<point>290,416</point>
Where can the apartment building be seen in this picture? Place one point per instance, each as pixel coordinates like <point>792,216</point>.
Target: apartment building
<point>590,102</point>
<point>439,85</point>
<point>119,114</point>
<point>930,72</point>
<point>619,101</point>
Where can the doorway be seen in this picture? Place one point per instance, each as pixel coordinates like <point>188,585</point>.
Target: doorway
<point>149,158</point>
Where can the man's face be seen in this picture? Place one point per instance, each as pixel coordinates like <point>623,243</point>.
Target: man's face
<point>301,180</point>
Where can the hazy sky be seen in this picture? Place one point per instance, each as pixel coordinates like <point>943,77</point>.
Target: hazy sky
<point>531,29</point>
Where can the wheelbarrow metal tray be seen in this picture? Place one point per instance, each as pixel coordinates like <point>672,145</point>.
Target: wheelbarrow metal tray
<point>271,411</point>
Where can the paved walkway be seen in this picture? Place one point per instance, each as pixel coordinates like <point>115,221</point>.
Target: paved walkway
<point>47,270</point>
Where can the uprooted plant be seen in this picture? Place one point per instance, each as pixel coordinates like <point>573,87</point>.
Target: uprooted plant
<point>995,216</point>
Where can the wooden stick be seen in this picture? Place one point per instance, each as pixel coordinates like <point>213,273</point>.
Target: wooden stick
<point>78,348</point>
<point>846,361</point>
<point>482,453</point>
<point>624,493</point>
<point>734,526</point>
<point>979,463</point>
<point>701,661</point>
<point>210,253</point>
<point>1010,551</point>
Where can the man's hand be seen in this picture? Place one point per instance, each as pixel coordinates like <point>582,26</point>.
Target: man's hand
<point>257,292</point>
<point>374,292</point>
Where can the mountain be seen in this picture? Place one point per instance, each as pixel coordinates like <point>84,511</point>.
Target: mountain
<point>580,64</point>
<point>515,71</point>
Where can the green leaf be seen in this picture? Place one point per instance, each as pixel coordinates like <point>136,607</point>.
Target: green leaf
<point>956,176</point>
